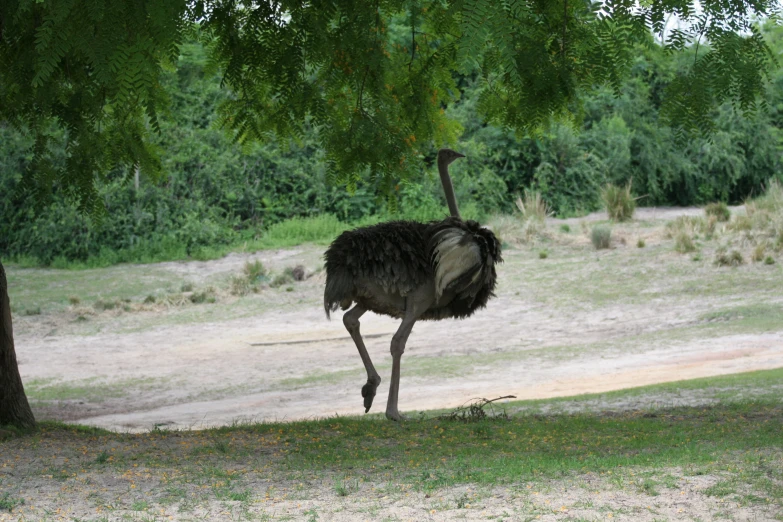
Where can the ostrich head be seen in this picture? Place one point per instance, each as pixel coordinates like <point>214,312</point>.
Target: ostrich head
<point>446,156</point>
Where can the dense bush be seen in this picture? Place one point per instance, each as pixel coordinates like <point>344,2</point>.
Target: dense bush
<point>217,193</point>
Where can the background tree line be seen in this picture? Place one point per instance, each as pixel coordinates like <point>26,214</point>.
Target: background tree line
<point>219,192</point>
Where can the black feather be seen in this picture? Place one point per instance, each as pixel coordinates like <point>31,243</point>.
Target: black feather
<point>399,257</point>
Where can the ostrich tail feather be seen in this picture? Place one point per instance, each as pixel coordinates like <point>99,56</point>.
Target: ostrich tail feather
<point>456,257</point>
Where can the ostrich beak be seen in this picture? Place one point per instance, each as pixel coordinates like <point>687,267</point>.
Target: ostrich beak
<point>458,155</point>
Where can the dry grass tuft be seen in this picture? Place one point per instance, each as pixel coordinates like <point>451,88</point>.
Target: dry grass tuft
<point>253,276</point>
<point>766,214</point>
<point>690,225</point>
<point>758,252</point>
<point>719,209</point>
<point>733,258</point>
<point>618,201</point>
<point>601,236</point>
<point>533,207</point>
<point>741,224</point>
<point>683,243</point>
<point>515,231</point>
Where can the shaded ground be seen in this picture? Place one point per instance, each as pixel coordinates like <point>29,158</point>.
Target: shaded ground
<point>723,462</point>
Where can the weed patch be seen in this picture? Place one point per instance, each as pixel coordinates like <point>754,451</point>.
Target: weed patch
<point>344,487</point>
<point>8,503</point>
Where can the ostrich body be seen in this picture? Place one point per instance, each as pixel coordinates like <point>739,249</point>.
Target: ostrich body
<point>410,270</point>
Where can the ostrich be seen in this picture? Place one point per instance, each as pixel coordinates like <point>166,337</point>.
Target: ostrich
<point>411,271</point>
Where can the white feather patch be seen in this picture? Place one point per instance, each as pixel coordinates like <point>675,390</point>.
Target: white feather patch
<point>454,259</point>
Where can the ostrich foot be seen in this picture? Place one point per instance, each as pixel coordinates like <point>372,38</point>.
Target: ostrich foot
<point>394,415</point>
<point>368,392</point>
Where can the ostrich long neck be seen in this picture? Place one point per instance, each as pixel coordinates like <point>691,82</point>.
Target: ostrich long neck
<point>448,189</point>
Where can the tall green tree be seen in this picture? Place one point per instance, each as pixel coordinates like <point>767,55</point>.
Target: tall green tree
<point>374,93</point>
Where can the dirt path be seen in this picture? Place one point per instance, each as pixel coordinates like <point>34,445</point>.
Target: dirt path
<point>545,335</point>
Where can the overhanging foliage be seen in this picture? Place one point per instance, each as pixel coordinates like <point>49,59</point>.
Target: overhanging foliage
<point>374,93</point>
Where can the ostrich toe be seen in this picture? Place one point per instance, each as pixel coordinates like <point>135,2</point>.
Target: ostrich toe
<point>368,392</point>
<point>394,415</point>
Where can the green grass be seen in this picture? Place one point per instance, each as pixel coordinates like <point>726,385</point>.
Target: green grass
<point>764,385</point>
<point>649,452</point>
<point>492,452</point>
<point>718,209</point>
<point>8,503</point>
<point>321,229</point>
<point>760,312</point>
<point>618,202</point>
<point>89,390</point>
<point>432,452</point>
<point>601,236</point>
<point>55,290</point>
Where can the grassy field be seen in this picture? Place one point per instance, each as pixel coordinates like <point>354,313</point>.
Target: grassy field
<point>666,297</point>
<point>723,460</point>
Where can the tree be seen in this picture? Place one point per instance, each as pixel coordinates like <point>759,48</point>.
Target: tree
<point>14,408</point>
<point>374,93</point>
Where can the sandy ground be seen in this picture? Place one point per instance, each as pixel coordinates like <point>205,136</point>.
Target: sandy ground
<point>291,363</point>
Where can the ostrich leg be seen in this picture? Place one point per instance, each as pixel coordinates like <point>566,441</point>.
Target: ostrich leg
<point>397,349</point>
<point>351,322</point>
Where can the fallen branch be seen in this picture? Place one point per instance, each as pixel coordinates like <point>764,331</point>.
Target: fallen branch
<point>305,341</point>
<point>475,410</point>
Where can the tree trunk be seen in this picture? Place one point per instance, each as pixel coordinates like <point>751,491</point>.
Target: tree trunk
<point>14,408</point>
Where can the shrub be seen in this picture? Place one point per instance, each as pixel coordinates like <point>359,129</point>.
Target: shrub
<point>641,243</point>
<point>618,202</point>
<point>543,254</point>
<point>758,252</point>
<point>719,209</point>
<point>565,228</point>
<point>533,207</point>
<point>601,236</point>
<point>255,272</point>
<point>710,227</point>
<point>100,304</point>
<point>683,243</point>
<point>733,258</point>
<point>742,223</point>
<point>205,296</point>
<point>769,260</point>
<point>282,279</point>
